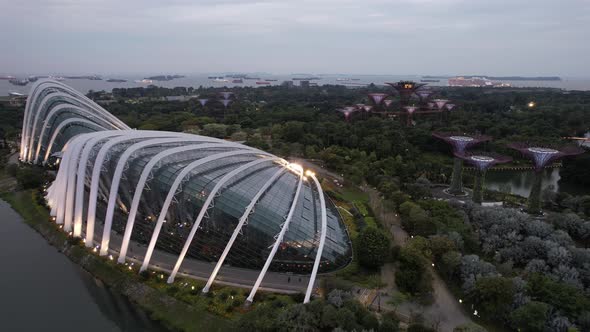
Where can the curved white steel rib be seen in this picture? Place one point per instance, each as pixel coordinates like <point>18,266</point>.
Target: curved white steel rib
<point>55,89</point>
<point>96,169</point>
<point>324,231</point>
<point>54,111</point>
<point>141,184</point>
<point>97,115</point>
<point>118,137</point>
<point>208,201</point>
<point>76,179</point>
<point>60,127</point>
<point>278,240</point>
<point>108,221</point>
<point>177,181</point>
<point>238,229</point>
<point>61,191</point>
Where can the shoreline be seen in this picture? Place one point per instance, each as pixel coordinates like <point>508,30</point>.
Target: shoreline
<point>170,312</point>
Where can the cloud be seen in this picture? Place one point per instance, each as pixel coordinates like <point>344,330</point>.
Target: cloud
<point>439,36</point>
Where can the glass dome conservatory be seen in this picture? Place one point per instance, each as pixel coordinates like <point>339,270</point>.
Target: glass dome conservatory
<point>166,198</point>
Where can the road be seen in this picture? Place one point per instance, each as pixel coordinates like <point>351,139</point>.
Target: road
<point>200,270</point>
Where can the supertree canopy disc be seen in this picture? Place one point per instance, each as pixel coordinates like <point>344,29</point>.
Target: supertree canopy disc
<point>377,98</point>
<point>542,156</point>
<point>225,102</point>
<point>440,103</point>
<point>367,108</point>
<point>449,107</point>
<point>482,161</point>
<point>360,106</point>
<point>461,142</point>
<point>203,101</point>
<point>430,105</point>
<point>411,109</point>
<point>226,94</point>
<point>423,94</point>
<point>388,102</point>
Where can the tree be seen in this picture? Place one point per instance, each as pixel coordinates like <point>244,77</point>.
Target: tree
<point>412,276</point>
<point>492,296</point>
<point>373,247</point>
<point>30,177</point>
<point>531,317</point>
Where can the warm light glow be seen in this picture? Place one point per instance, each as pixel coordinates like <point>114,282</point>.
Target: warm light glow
<point>295,167</point>
<point>531,104</point>
<point>309,173</point>
<point>460,301</point>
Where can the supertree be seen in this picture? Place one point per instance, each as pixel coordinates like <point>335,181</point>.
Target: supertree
<point>424,94</point>
<point>406,89</point>
<point>347,111</point>
<point>460,143</point>
<point>541,157</point>
<point>482,161</point>
<point>377,98</point>
<point>410,110</point>
<point>226,94</point>
<point>203,102</point>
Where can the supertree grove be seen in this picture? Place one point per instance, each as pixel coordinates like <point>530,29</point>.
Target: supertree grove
<point>413,99</point>
<point>460,143</point>
<point>482,161</point>
<point>542,156</point>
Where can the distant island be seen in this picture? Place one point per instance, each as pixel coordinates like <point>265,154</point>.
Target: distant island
<point>87,77</point>
<point>116,80</point>
<point>164,77</point>
<point>505,78</point>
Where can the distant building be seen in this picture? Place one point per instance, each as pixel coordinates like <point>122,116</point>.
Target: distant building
<point>475,82</point>
<point>304,84</point>
<point>288,84</point>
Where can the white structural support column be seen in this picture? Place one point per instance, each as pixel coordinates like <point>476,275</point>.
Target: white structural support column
<point>108,221</point>
<point>124,135</point>
<point>324,231</point>
<point>141,184</point>
<point>91,114</point>
<point>70,181</point>
<point>46,121</point>
<point>238,229</point>
<point>81,175</point>
<point>35,105</point>
<point>177,181</point>
<point>278,241</point>
<point>208,201</point>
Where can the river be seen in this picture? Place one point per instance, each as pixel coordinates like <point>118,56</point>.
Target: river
<point>42,290</point>
<point>520,182</point>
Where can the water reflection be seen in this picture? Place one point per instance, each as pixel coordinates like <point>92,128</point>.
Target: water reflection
<point>520,182</point>
<point>42,290</point>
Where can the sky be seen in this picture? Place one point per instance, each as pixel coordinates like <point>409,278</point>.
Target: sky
<point>393,37</point>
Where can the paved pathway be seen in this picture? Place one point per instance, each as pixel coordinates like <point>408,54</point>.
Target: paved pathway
<point>192,268</point>
<point>445,312</point>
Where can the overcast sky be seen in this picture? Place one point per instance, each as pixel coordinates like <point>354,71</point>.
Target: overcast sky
<point>494,37</point>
